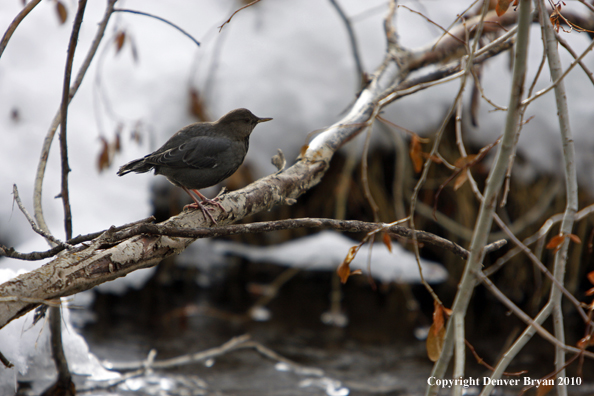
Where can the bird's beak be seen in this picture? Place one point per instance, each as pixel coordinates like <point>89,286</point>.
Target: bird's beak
<point>263,120</point>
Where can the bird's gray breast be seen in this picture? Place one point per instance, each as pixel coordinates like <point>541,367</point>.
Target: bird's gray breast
<point>201,161</point>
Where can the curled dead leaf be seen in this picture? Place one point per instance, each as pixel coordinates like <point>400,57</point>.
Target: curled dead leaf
<point>344,269</point>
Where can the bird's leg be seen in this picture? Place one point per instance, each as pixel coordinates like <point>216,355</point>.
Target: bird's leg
<point>198,204</point>
<point>210,201</point>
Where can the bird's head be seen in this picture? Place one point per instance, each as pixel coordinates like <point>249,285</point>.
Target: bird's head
<point>240,122</point>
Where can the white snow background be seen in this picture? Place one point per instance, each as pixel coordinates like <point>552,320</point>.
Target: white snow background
<point>290,60</point>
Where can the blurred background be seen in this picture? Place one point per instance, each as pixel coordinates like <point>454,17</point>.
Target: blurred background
<point>292,61</point>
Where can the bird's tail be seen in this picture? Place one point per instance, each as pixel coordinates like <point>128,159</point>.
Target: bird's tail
<point>138,166</point>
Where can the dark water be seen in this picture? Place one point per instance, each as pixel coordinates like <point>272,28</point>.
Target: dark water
<point>376,353</point>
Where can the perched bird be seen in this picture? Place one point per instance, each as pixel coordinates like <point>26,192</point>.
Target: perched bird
<point>201,155</point>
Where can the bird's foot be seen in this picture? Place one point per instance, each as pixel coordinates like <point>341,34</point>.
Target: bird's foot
<point>204,209</point>
<point>214,202</point>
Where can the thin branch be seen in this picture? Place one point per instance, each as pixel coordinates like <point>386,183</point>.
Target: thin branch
<point>539,235</point>
<point>494,182</point>
<point>232,15</point>
<point>34,256</point>
<point>40,174</point>
<point>188,35</point>
<point>526,319</point>
<point>352,39</point>
<point>590,6</point>
<point>64,380</point>
<point>59,243</point>
<point>566,45</point>
<point>558,283</point>
<point>570,184</point>
<point>445,31</point>
<point>236,343</point>
<point>560,78</point>
<point>118,234</point>
<point>65,194</point>
<point>5,361</point>
<point>364,178</point>
<point>15,23</point>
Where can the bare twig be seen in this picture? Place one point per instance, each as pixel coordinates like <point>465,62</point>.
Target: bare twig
<point>33,256</point>
<point>37,194</point>
<point>64,380</point>
<point>5,361</point>
<point>364,176</point>
<point>188,35</point>
<point>15,23</point>
<point>352,39</point>
<point>558,283</point>
<point>539,235</point>
<point>570,185</point>
<point>236,11</point>
<point>17,198</point>
<point>445,31</point>
<point>566,45</point>
<point>590,6</point>
<point>526,319</point>
<point>560,77</point>
<point>236,343</point>
<point>64,193</point>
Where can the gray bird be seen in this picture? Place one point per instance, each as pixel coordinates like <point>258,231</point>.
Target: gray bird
<point>201,155</point>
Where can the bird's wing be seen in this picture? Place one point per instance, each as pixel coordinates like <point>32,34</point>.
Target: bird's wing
<point>199,152</point>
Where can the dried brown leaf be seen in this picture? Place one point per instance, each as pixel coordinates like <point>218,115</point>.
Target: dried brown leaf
<point>387,241</point>
<point>574,238</point>
<point>502,6</point>
<point>344,269</point>
<point>117,143</point>
<point>438,321</point>
<point>591,277</point>
<point>103,160</point>
<point>556,242</point>
<point>62,12</point>
<point>544,389</point>
<point>585,342</point>
<point>434,342</point>
<point>461,179</point>
<point>120,39</point>
<point>197,107</point>
<point>416,153</point>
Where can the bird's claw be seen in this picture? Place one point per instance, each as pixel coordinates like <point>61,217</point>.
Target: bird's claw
<point>205,210</point>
